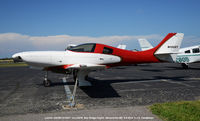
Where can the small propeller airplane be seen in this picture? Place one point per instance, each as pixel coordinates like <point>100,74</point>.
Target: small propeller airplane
<point>82,59</point>
<point>185,55</point>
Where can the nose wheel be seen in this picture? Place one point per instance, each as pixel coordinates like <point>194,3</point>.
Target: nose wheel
<point>46,82</point>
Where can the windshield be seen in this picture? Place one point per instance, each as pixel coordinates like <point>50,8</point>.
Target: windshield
<point>83,48</point>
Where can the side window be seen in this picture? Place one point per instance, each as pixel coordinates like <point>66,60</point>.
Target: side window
<point>187,51</point>
<point>107,50</point>
<point>83,48</point>
<point>195,50</point>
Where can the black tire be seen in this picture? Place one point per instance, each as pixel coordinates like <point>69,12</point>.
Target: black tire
<point>47,83</point>
<point>185,66</point>
<point>75,74</point>
<point>87,77</point>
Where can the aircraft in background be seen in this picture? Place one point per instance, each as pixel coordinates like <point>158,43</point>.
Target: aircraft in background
<point>185,56</point>
<point>121,46</point>
<point>144,44</point>
<point>69,46</point>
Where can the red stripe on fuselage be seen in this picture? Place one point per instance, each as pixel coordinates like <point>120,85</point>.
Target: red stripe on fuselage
<point>130,57</point>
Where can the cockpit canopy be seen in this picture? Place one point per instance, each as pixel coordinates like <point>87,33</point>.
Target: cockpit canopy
<point>89,47</point>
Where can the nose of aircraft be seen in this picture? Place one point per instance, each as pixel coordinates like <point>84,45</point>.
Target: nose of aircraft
<point>17,57</point>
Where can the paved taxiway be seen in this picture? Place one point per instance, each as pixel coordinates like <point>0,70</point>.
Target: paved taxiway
<point>22,91</point>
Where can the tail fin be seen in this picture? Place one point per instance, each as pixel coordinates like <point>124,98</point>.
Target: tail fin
<point>169,47</point>
<point>170,44</point>
<point>144,44</point>
<point>121,46</point>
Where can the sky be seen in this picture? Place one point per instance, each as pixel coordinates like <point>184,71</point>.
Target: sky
<point>31,25</point>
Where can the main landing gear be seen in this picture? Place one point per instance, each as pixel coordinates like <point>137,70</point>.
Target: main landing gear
<point>72,98</point>
<point>80,78</point>
<point>46,82</point>
<point>185,65</point>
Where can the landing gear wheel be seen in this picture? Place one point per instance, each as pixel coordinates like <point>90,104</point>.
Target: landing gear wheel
<point>87,77</point>
<point>47,83</point>
<point>75,74</point>
<point>185,66</point>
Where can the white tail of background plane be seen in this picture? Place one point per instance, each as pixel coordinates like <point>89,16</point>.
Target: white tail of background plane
<point>121,46</point>
<point>144,44</point>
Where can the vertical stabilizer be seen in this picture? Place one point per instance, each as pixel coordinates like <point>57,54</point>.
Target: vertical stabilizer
<point>171,44</point>
<point>121,46</point>
<point>168,49</point>
<point>144,44</point>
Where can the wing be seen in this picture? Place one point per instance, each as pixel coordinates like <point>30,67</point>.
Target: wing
<point>84,66</point>
<point>83,71</point>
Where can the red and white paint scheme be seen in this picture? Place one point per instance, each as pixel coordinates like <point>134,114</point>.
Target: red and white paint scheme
<point>82,59</point>
<point>185,56</point>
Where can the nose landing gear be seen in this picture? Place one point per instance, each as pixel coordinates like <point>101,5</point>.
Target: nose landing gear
<point>46,82</point>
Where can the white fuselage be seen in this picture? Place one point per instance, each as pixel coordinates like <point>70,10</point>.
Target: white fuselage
<point>58,58</point>
<point>189,55</point>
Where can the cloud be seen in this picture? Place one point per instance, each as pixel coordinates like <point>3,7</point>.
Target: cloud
<point>11,43</point>
<point>191,41</point>
<point>60,41</point>
<point>4,37</point>
<point>67,39</point>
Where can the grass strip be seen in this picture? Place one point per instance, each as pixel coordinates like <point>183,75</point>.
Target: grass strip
<point>177,111</point>
<point>12,64</point>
